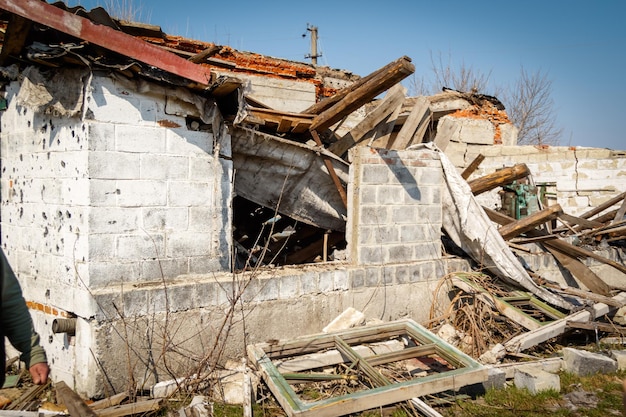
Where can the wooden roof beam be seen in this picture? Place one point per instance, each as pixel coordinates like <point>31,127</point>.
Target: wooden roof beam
<point>106,37</point>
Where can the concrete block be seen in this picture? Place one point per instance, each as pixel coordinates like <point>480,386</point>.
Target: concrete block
<point>185,194</point>
<point>375,174</point>
<point>477,131</point>
<point>142,193</point>
<point>165,218</point>
<point>326,281</point>
<point>185,244</point>
<point>349,318</point>
<point>536,380</point>
<point>113,220</point>
<point>106,106</point>
<point>136,139</point>
<point>161,167</point>
<point>404,214</point>
<point>101,136</point>
<point>114,165</point>
<point>289,287</point>
<point>508,134</point>
<point>203,167</point>
<point>188,142</point>
<point>496,379</point>
<point>141,246</point>
<point>620,358</point>
<point>581,362</point>
<point>342,280</point>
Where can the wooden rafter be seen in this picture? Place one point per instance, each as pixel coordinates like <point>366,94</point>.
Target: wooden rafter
<point>106,37</point>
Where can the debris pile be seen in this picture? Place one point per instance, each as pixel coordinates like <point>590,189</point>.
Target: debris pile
<point>501,311</point>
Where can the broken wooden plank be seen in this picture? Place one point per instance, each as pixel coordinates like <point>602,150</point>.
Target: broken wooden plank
<point>581,271</point>
<point>418,117</point>
<point>207,53</point>
<point>619,216</point>
<point>363,94</point>
<point>473,166</point>
<point>564,254</point>
<point>603,206</point>
<point>388,105</point>
<point>587,295</point>
<point>569,220</point>
<point>382,135</point>
<point>309,252</point>
<point>328,102</point>
<point>424,408</point>
<point>276,117</point>
<point>498,178</point>
<point>533,338</point>
<point>28,396</point>
<point>331,170</point>
<point>558,244</point>
<point>138,408</point>
<point>74,404</point>
<point>596,325</point>
<point>111,401</point>
<point>106,37</point>
<point>445,133</point>
<point>527,223</point>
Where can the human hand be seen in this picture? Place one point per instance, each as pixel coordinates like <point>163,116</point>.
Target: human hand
<point>39,373</point>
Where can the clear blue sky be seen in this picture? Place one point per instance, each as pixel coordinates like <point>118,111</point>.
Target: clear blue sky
<point>580,45</point>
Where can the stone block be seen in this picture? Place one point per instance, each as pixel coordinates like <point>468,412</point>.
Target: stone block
<point>132,138</point>
<point>620,358</point>
<point>581,362</point>
<point>536,380</point>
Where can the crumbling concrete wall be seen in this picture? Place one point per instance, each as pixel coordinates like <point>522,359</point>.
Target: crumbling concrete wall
<point>115,191</point>
<point>579,178</point>
<point>278,303</point>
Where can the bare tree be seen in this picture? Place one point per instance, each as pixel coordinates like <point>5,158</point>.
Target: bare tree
<point>464,78</point>
<point>531,108</point>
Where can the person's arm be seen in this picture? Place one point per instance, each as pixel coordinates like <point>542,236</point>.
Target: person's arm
<point>18,325</point>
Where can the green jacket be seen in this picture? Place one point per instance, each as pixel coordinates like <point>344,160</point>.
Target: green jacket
<point>16,322</point>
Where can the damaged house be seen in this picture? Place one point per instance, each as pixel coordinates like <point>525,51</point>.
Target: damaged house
<point>167,202</point>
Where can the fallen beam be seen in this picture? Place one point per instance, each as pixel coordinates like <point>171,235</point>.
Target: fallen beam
<point>364,94</point>
<point>106,37</point>
<point>328,102</point>
<point>530,222</point>
<point>388,105</point>
<point>473,166</point>
<point>533,338</point>
<point>603,206</point>
<point>498,178</point>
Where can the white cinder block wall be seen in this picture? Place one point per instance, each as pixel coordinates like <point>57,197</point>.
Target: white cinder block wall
<point>127,195</point>
<point>581,178</point>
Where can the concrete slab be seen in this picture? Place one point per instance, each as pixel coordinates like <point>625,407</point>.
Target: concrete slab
<point>581,362</point>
